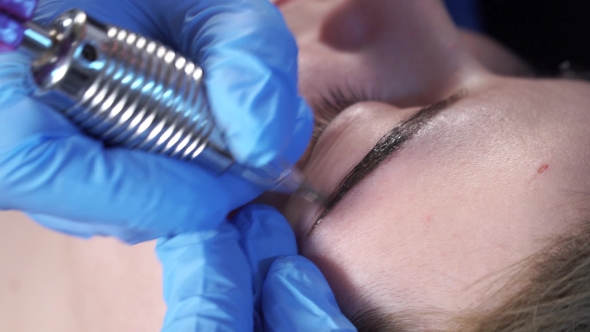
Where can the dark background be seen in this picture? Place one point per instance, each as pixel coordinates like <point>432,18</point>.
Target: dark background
<point>543,32</point>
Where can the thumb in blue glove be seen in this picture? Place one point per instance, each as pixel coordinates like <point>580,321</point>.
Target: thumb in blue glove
<point>207,282</point>
<point>297,297</point>
<point>280,294</point>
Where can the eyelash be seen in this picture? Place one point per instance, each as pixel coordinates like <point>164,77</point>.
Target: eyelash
<point>333,103</point>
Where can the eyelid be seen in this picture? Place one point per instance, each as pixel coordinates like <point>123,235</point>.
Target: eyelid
<point>387,145</point>
<point>332,103</point>
<point>339,99</point>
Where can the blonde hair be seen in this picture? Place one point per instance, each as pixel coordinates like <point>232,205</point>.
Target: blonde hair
<point>549,291</point>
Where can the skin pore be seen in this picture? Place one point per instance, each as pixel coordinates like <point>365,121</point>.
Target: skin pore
<point>486,182</point>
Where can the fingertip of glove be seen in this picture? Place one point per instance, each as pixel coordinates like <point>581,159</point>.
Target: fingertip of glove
<point>297,281</point>
<point>268,147</point>
<point>263,221</point>
<point>223,233</point>
<point>298,274</point>
<point>286,265</point>
<point>258,211</point>
<point>265,120</point>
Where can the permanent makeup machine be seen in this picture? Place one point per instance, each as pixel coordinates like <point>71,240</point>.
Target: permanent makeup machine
<point>129,91</point>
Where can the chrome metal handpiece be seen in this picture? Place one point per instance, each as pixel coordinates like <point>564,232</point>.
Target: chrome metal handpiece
<point>129,91</point>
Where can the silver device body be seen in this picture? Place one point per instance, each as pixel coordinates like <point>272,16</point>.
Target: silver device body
<point>126,90</point>
<point>129,91</point>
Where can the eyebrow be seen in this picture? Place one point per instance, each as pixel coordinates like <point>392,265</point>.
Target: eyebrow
<point>385,149</point>
<point>373,319</point>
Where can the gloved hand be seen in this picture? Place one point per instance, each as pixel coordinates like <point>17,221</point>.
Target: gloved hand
<point>71,183</point>
<point>245,276</point>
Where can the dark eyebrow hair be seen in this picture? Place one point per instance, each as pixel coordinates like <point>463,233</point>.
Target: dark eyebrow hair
<point>375,320</point>
<point>384,149</point>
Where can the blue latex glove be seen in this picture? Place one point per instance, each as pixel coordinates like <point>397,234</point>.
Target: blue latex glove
<point>71,183</point>
<point>245,276</point>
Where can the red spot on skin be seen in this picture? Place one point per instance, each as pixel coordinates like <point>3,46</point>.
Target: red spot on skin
<point>428,219</point>
<point>543,168</point>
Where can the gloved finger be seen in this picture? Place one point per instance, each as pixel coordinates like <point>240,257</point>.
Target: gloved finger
<point>48,167</point>
<point>264,236</point>
<point>207,282</point>
<point>75,178</point>
<point>249,58</point>
<point>250,62</point>
<point>297,297</point>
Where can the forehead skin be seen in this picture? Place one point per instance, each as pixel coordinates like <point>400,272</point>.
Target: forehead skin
<point>484,186</point>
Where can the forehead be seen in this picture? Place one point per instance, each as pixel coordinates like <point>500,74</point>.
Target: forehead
<point>463,202</point>
<point>524,106</point>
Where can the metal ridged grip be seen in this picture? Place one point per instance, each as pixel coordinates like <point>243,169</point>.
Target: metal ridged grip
<point>129,91</point>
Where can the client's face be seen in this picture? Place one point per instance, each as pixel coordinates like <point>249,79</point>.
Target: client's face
<point>468,187</point>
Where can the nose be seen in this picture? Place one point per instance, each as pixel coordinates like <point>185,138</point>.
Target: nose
<point>411,47</point>
<point>354,24</point>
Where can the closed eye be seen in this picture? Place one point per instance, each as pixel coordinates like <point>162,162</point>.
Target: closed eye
<point>386,147</point>
<point>332,103</point>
